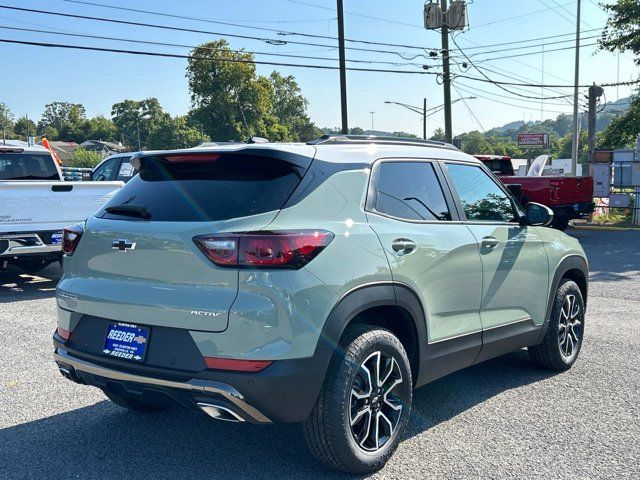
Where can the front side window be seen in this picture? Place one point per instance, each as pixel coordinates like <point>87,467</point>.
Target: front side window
<point>411,191</point>
<point>482,199</point>
<point>105,171</point>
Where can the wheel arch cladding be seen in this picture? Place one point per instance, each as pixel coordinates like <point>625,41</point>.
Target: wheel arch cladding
<point>388,305</point>
<point>571,267</point>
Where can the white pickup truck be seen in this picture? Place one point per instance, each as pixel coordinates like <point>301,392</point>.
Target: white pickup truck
<point>35,205</point>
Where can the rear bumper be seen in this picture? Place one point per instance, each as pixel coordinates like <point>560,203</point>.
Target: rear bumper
<point>286,391</point>
<point>573,210</point>
<point>28,244</point>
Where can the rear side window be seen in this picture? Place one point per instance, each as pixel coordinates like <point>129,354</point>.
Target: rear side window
<point>126,170</point>
<point>410,191</point>
<point>232,186</point>
<point>480,196</point>
<point>27,166</point>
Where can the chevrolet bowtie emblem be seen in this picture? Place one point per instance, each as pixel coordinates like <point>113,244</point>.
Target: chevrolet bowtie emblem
<point>123,245</point>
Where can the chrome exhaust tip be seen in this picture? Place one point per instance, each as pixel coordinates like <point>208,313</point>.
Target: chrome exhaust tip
<point>219,412</point>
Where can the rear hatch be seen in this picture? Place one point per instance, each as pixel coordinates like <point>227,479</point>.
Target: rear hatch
<point>137,261</point>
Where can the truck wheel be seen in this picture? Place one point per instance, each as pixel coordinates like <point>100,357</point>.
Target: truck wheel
<point>562,342</point>
<point>132,403</point>
<point>365,403</point>
<point>560,223</point>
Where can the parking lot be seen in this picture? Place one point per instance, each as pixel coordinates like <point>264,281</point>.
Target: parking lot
<point>501,419</point>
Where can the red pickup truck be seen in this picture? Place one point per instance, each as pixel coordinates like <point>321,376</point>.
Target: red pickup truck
<point>568,197</point>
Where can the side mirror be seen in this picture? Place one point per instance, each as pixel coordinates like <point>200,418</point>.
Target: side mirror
<point>538,215</point>
<point>516,190</point>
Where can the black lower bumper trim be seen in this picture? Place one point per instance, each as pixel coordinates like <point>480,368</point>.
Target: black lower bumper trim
<point>286,391</point>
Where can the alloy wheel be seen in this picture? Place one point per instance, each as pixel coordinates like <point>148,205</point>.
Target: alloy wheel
<point>375,407</point>
<point>569,327</point>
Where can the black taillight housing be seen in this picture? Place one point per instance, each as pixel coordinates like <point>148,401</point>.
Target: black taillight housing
<point>272,249</point>
<point>71,237</point>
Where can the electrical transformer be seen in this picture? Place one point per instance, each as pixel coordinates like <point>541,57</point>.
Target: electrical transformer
<point>456,16</point>
<point>432,16</point>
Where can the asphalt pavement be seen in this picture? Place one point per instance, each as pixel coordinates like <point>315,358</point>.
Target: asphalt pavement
<point>502,419</point>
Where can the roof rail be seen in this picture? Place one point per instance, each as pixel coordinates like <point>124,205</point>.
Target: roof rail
<point>341,139</point>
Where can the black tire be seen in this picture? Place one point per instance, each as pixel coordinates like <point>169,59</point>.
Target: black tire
<point>329,432</point>
<point>552,353</point>
<point>132,403</point>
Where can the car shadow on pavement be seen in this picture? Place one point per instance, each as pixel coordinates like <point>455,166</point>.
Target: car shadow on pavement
<point>15,285</point>
<point>105,441</point>
<point>449,396</point>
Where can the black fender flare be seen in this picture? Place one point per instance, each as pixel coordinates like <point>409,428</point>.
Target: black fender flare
<point>568,263</point>
<point>363,298</point>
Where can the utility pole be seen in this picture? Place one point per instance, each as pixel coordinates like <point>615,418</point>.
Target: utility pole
<point>576,136</point>
<point>138,127</point>
<point>446,77</point>
<point>343,71</point>
<point>372,113</point>
<point>424,118</point>
<point>595,92</point>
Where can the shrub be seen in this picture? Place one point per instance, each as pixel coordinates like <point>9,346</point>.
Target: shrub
<point>84,158</point>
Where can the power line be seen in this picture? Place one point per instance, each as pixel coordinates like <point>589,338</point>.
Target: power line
<point>232,24</point>
<point>509,97</point>
<point>230,60</point>
<point>497,84</point>
<point>282,64</point>
<point>470,111</point>
<point>371,17</point>
<point>584,45</point>
<point>472,91</point>
<point>179,45</point>
<point>528,14</point>
<point>550,37</point>
<point>193,30</point>
<point>532,46</point>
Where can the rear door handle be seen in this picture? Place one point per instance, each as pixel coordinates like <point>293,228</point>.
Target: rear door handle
<point>490,242</point>
<point>403,246</point>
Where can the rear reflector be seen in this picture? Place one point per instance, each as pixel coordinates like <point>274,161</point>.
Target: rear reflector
<point>237,365</point>
<point>71,237</point>
<point>279,249</point>
<point>66,334</point>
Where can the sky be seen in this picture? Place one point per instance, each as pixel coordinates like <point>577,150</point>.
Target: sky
<point>31,76</point>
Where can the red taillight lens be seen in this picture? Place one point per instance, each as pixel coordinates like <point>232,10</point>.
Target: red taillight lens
<point>70,238</point>
<point>237,365</point>
<point>281,249</point>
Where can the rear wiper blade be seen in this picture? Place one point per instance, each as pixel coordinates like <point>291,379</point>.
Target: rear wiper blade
<point>128,209</point>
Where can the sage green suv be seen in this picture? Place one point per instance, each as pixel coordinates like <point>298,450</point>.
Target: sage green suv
<point>317,283</point>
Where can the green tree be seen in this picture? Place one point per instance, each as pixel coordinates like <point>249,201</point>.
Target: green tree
<point>231,102</point>
<point>84,158</point>
<point>622,33</point>
<point>290,108</point>
<point>6,121</point>
<point>132,117</point>
<point>24,127</point>
<point>438,135</point>
<point>175,133</point>
<point>100,128</point>
<point>66,118</point>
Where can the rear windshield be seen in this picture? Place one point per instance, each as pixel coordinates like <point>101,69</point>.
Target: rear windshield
<point>230,187</point>
<point>27,166</point>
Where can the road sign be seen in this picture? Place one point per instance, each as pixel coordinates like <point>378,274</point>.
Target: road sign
<point>533,140</point>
